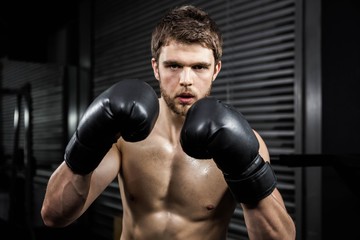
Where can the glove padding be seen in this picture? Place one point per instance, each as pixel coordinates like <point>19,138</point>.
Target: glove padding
<point>128,109</point>
<point>216,130</point>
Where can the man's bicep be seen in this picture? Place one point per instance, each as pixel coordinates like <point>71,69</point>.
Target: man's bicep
<point>106,172</point>
<point>263,150</point>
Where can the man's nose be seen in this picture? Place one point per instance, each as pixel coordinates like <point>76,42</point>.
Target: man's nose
<point>186,77</point>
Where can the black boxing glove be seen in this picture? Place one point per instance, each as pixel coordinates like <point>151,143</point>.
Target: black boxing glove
<point>128,109</point>
<point>216,130</point>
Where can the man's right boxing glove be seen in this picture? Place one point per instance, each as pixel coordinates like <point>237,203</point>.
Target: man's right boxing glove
<point>216,130</point>
<point>128,109</point>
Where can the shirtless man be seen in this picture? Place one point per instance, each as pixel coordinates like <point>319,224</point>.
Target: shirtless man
<point>181,172</point>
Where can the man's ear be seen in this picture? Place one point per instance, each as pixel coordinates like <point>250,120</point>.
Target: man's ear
<point>217,69</point>
<point>155,68</point>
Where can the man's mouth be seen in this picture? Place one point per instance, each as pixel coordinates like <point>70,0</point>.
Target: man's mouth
<point>185,98</point>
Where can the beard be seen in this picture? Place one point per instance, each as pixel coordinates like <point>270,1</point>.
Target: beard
<point>179,109</point>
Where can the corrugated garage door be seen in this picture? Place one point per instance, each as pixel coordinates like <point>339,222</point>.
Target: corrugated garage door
<point>46,83</point>
<point>47,128</point>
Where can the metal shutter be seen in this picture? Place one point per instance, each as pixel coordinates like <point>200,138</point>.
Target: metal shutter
<point>257,75</point>
<point>46,86</point>
<point>258,79</point>
<point>47,108</point>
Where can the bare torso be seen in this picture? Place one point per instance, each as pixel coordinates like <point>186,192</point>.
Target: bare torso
<point>169,195</point>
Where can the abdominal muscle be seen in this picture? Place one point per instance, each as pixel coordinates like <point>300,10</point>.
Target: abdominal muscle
<point>168,195</point>
<point>167,225</point>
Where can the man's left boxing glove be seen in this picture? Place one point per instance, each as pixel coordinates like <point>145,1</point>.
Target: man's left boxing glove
<point>216,130</point>
<point>128,109</point>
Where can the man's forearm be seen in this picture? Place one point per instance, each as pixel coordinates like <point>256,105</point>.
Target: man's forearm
<point>268,219</point>
<point>65,197</point>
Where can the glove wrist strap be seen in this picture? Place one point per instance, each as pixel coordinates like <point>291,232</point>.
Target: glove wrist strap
<point>254,187</point>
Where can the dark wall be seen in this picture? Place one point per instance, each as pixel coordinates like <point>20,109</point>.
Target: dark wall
<point>341,76</point>
<point>341,118</point>
<point>29,29</point>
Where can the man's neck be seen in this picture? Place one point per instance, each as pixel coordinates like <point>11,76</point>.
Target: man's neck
<point>170,121</point>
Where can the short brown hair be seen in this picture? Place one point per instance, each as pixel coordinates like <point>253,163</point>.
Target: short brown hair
<point>187,24</point>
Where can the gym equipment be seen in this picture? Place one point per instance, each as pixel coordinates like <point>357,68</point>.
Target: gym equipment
<point>21,167</point>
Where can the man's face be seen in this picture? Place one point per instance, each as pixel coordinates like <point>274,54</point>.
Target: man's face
<point>185,73</point>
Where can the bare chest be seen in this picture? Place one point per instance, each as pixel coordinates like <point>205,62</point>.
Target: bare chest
<point>161,176</point>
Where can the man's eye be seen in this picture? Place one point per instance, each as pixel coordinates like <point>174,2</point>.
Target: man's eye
<point>174,66</point>
<point>199,67</point>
